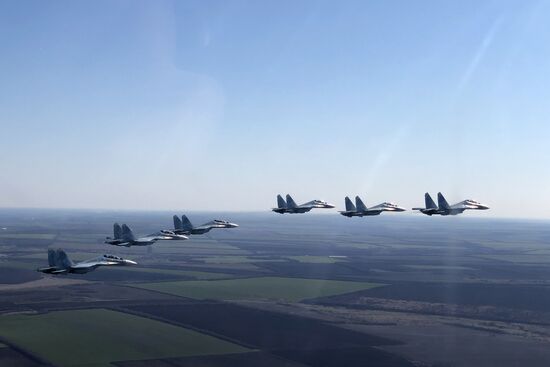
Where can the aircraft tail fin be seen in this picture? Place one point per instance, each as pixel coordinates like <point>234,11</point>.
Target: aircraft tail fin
<point>281,203</point>
<point>51,257</point>
<point>430,203</point>
<point>117,231</point>
<point>349,205</point>
<point>186,223</point>
<point>178,225</point>
<point>127,234</point>
<point>290,202</point>
<point>443,204</point>
<point>62,261</point>
<point>360,204</point>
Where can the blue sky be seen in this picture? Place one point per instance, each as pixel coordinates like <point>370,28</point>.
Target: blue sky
<point>220,105</point>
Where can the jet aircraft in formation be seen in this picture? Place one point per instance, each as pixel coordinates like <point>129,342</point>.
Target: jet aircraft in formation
<point>443,207</point>
<point>123,236</point>
<point>59,263</point>
<point>290,206</point>
<point>184,226</point>
<point>361,210</point>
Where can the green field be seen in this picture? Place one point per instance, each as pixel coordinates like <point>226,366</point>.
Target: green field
<point>289,289</point>
<point>98,337</point>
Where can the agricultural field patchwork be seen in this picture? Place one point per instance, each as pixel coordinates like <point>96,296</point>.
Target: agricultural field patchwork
<point>98,337</point>
<point>288,289</point>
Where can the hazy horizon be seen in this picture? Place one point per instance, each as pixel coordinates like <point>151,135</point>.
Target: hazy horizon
<point>222,105</point>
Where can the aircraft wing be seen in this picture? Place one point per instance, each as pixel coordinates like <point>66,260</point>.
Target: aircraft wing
<point>153,237</point>
<point>62,271</point>
<point>93,264</point>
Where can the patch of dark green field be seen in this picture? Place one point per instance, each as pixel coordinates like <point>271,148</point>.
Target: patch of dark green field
<point>261,329</point>
<point>252,359</point>
<point>96,337</point>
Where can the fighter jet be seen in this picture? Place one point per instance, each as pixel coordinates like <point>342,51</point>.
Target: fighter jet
<point>123,236</point>
<point>361,210</point>
<point>59,263</point>
<point>290,206</point>
<point>184,226</point>
<point>458,208</point>
<point>443,207</point>
<point>431,208</point>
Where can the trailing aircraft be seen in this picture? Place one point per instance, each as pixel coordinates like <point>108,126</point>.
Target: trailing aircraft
<point>290,206</point>
<point>59,263</point>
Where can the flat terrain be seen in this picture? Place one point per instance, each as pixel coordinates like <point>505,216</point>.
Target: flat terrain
<point>466,347</point>
<point>277,288</point>
<point>305,290</point>
<point>252,359</point>
<point>98,337</point>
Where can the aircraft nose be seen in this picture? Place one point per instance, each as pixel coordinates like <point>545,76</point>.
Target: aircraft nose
<point>129,262</point>
<point>330,206</point>
<point>233,225</point>
<point>483,207</point>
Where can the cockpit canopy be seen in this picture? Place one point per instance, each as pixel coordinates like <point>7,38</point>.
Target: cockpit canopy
<point>112,257</point>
